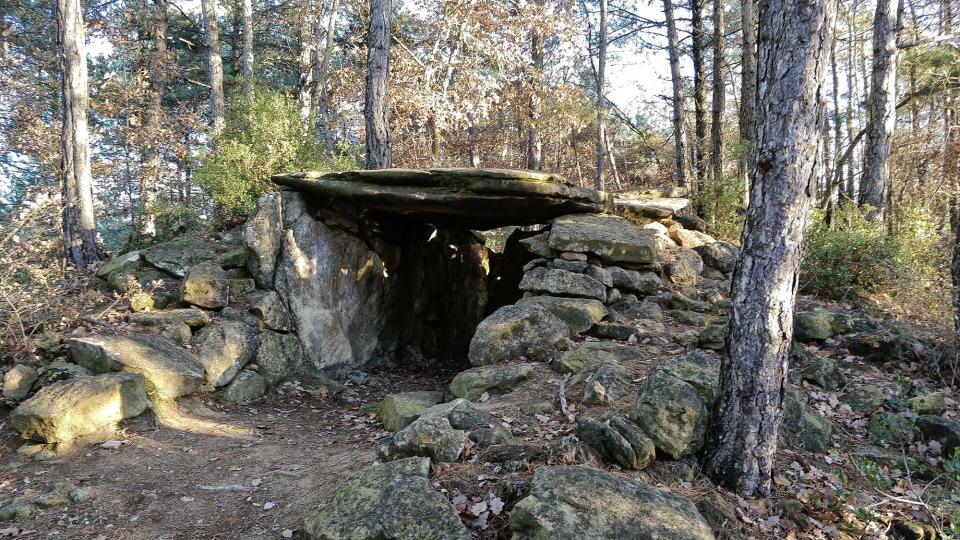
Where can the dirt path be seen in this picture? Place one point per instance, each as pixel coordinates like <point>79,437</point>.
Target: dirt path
<point>205,470</point>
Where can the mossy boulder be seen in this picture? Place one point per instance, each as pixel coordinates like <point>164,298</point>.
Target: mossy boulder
<point>579,313</point>
<point>607,384</point>
<point>672,413</point>
<point>890,429</point>
<point>929,403</point>
<point>580,359</point>
<point>940,429</point>
<point>246,386</point>
<point>397,411</point>
<point>821,324</point>
<point>224,348</point>
<point>823,372</point>
<point>440,433</point>
<point>390,500</point>
<point>207,286</point>
<point>617,440</point>
<point>472,383</point>
<point>865,398</point>
<point>811,430</point>
<point>514,331</point>
<point>279,356</point>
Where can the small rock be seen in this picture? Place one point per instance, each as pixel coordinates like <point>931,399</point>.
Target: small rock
<point>18,381</point>
<point>206,286</point>
<point>890,429</point>
<point>177,332</point>
<point>19,508</point>
<point>608,384</point>
<point>472,383</point>
<point>811,429</point>
<point>397,411</point>
<point>942,430</point>
<point>823,372</point>
<point>931,403</point>
<point>865,398</point>
<point>246,386</point>
<point>713,337</point>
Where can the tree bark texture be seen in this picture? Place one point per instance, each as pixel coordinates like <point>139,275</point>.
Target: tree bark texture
<point>716,113</point>
<point>534,138</point>
<point>246,59</point>
<point>376,101</point>
<point>157,69</point>
<point>323,77</point>
<point>882,114</point>
<point>794,46</point>
<point>674,53</point>
<point>698,52</point>
<point>214,66</point>
<point>79,223</point>
<point>600,80</point>
<point>305,62</point>
<point>748,92</point>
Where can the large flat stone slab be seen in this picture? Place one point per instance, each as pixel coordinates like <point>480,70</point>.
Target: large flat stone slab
<point>70,409</point>
<point>651,207</point>
<point>611,238</point>
<point>473,198</point>
<point>170,370</point>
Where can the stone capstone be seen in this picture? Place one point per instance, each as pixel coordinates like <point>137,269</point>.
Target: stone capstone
<point>472,383</point>
<point>389,500</point>
<point>66,410</point>
<point>611,238</point>
<point>170,370</point>
<point>575,502</point>
<point>224,348</point>
<point>514,331</point>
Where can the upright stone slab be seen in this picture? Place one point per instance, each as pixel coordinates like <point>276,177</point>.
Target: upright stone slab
<point>224,348</point>
<point>263,236</point>
<point>66,410</point>
<point>170,370</point>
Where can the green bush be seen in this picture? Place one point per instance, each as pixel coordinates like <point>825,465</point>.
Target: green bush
<point>262,137</point>
<point>859,255</point>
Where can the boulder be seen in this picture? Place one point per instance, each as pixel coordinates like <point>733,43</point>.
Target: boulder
<point>553,281</point>
<point>581,359</point>
<point>721,256</point>
<point>66,410</point>
<point>268,306</point>
<point>170,370</point>
<point>59,370</point>
<point>617,440</point>
<point>246,386</point>
<point>575,502</point>
<point>864,398</point>
<point>823,372</point>
<point>818,325</point>
<point>236,258</point>
<point>224,348</point>
<point>634,309</point>
<point>643,283</point>
<point>690,239</point>
<point>240,287</point>
<point>679,301</point>
<point>691,222</point>
<point>690,318</point>
<point>672,413</point>
<point>397,411</point>
<point>206,286</point>
<point>178,333</point>
<point>18,381</point>
<point>192,317</point>
<point>683,267</point>
<point>600,274</point>
<point>262,234</point>
<point>472,383</point>
<point>930,403</point>
<point>713,337</point>
<point>441,431</point>
<point>811,429</point>
<point>514,331</point>
<point>890,429</point>
<point>579,313</point>
<point>389,500</point>
<point>468,198</point>
<point>279,356</point>
<point>608,384</point>
<point>698,369</point>
<point>178,256</point>
<point>612,238</point>
<point>942,430</point>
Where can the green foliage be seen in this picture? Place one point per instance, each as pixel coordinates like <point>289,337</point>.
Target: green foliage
<point>175,218</point>
<point>723,208</point>
<point>262,137</point>
<point>859,255</point>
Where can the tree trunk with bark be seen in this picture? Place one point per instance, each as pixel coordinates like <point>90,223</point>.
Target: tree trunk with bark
<point>323,77</point>
<point>246,58</point>
<point>716,112</point>
<point>79,223</point>
<point>674,53</point>
<point>875,186</point>
<point>305,62</point>
<point>534,137</point>
<point>748,93</point>
<point>794,47</point>
<point>157,70</point>
<point>698,52</point>
<point>214,66</point>
<point>600,76</point>
<point>376,101</point>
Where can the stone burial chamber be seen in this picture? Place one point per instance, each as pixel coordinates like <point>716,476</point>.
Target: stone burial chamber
<point>384,267</point>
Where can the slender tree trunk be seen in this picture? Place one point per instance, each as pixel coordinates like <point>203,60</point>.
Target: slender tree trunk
<point>875,187</point>
<point>716,113</point>
<point>748,94</point>
<point>305,62</point>
<point>852,86</point>
<point>835,176</point>
<point>247,56</point>
<point>534,137</point>
<point>214,66</point>
<point>324,76</point>
<point>794,47</point>
<point>150,174</point>
<point>699,100</point>
<point>600,76</point>
<point>79,224</point>
<point>672,48</point>
<point>377,98</point>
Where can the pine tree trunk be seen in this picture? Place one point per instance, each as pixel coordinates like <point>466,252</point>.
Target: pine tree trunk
<point>794,47</point>
<point>323,78</point>
<point>378,145</point>
<point>600,80</point>
<point>748,94</point>
<point>674,53</point>
<point>875,187</point>
<point>79,224</point>
<point>214,66</point>
<point>698,51</point>
<point>150,174</point>
<point>716,112</point>
<point>247,55</point>
<point>852,92</point>
<point>534,137</point>
<point>305,62</point>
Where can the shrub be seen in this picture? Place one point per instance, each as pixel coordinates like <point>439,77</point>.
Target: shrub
<point>263,136</point>
<point>859,255</point>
